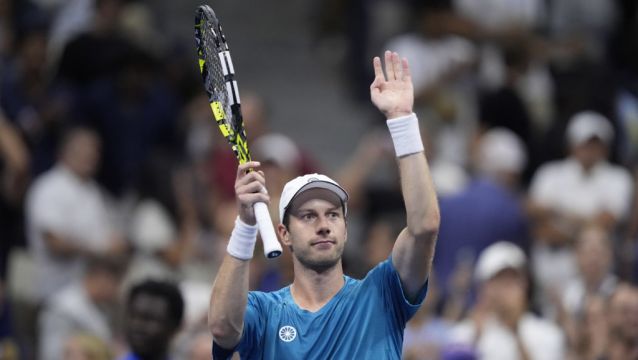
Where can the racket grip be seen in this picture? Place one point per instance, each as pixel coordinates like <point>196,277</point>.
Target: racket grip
<point>272,248</point>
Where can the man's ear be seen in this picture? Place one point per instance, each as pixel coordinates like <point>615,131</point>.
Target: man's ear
<point>283,234</point>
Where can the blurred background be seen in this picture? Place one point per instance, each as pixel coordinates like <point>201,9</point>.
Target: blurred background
<point>116,189</point>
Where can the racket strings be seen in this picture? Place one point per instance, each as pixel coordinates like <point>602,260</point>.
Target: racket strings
<point>215,81</point>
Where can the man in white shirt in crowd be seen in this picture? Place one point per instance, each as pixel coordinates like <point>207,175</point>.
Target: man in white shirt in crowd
<point>594,256</point>
<point>567,194</point>
<point>86,306</point>
<point>67,215</point>
<point>500,325</point>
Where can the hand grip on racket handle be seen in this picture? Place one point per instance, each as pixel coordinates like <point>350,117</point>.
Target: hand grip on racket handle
<point>272,248</point>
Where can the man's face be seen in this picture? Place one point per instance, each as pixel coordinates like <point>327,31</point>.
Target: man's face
<point>148,325</point>
<point>317,229</point>
<point>593,254</point>
<point>82,154</point>
<point>590,152</point>
<point>507,291</point>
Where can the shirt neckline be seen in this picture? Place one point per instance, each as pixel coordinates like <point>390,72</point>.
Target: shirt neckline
<point>339,294</point>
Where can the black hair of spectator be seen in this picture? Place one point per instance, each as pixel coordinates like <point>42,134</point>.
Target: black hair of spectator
<point>165,290</point>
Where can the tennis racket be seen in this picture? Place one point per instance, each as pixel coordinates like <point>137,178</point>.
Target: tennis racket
<point>218,75</point>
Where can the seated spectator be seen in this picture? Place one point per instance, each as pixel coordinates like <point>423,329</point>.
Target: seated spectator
<point>501,326</point>
<point>569,193</point>
<point>488,210</point>
<point>81,307</point>
<point>68,217</point>
<point>154,312</point>
<point>595,278</point>
<point>623,323</point>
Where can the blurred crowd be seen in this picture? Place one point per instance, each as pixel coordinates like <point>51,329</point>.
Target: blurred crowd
<point>117,193</point>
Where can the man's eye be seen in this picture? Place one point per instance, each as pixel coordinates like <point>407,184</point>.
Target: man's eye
<point>308,216</point>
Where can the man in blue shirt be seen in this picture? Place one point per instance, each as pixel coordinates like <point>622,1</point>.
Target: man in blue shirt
<point>324,314</point>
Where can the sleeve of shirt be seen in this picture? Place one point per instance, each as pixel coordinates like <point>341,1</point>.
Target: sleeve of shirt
<point>541,190</point>
<point>254,323</point>
<point>44,210</point>
<point>554,345</point>
<point>619,194</point>
<point>387,278</point>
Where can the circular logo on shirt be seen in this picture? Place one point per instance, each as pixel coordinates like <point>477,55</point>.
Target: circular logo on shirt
<point>287,333</point>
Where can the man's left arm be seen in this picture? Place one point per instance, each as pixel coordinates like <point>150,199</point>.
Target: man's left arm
<point>392,93</point>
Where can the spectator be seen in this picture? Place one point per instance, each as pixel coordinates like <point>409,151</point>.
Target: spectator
<point>595,278</point>
<point>501,325</point>
<point>14,176</point>
<point>569,193</point>
<point>154,312</point>
<point>135,114</point>
<point>36,106</point>
<point>84,306</point>
<point>68,217</point>
<point>441,58</point>
<point>488,210</point>
<point>95,52</point>
<point>623,323</point>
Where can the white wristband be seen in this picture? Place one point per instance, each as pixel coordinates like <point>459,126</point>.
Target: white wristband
<point>242,240</point>
<point>405,135</point>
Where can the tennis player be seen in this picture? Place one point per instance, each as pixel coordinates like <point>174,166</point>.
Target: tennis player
<point>324,314</point>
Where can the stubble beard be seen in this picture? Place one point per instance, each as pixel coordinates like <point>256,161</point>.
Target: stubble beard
<point>319,264</point>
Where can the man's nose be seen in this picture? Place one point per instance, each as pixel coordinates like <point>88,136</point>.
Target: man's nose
<point>323,227</point>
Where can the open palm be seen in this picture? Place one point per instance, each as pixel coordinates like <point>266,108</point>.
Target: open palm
<point>392,93</point>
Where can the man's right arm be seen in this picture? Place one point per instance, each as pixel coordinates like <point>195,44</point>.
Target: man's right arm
<point>228,302</point>
<point>230,291</point>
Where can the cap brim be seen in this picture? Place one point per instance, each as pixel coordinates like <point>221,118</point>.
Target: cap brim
<point>320,184</point>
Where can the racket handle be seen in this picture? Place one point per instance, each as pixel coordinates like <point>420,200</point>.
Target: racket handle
<point>272,248</point>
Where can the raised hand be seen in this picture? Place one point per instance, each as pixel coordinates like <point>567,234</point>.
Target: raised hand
<point>250,188</point>
<point>392,93</point>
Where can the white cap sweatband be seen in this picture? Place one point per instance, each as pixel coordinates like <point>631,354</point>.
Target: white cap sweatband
<point>406,136</point>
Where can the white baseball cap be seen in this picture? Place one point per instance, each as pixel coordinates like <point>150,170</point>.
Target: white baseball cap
<point>586,125</point>
<point>277,148</point>
<point>300,184</point>
<point>497,257</point>
<point>501,150</point>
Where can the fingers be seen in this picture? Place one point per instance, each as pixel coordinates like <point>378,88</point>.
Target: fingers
<point>389,67</point>
<point>396,68</point>
<point>251,183</point>
<point>406,69</point>
<point>250,188</point>
<point>243,168</point>
<point>396,65</point>
<point>378,71</point>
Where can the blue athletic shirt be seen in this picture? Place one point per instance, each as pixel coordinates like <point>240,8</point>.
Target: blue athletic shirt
<point>364,320</point>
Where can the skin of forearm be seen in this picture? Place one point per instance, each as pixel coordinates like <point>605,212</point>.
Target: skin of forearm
<point>228,302</point>
<point>421,205</point>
